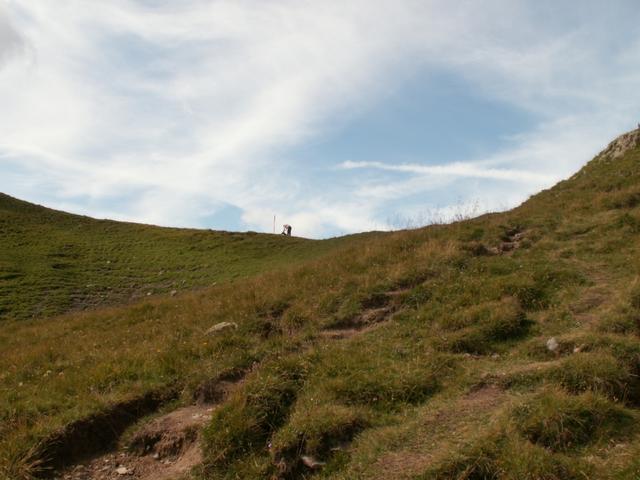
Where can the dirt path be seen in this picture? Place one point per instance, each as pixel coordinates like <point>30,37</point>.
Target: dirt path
<point>441,430</point>
<point>165,448</point>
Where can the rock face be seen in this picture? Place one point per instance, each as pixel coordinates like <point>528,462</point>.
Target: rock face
<point>622,144</point>
<point>220,327</point>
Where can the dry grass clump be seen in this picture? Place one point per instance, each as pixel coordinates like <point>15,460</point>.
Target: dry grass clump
<point>562,422</point>
<point>478,328</point>
<point>247,420</point>
<point>598,372</point>
<point>319,431</point>
<point>504,456</point>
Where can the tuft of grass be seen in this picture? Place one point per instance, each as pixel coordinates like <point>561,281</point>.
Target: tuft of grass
<point>366,377</point>
<point>598,372</point>
<point>247,420</point>
<point>561,422</point>
<point>320,431</point>
<point>478,328</point>
<point>504,456</point>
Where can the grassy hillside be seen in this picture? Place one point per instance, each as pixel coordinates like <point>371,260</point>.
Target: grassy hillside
<point>504,347</point>
<point>53,262</point>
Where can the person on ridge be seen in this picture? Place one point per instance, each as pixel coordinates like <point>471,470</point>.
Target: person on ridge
<point>286,230</point>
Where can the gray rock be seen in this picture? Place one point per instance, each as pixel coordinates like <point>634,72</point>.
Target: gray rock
<point>311,462</point>
<point>124,471</point>
<point>220,327</point>
<point>552,344</point>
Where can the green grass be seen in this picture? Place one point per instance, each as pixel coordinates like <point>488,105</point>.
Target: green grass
<point>456,382</point>
<point>53,262</point>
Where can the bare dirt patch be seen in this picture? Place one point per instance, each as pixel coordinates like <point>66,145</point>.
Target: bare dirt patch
<point>88,436</point>
<point>165,448</point>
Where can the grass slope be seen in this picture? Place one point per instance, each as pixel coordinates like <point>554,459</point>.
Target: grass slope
<point>415,355</point>
<point>53,262</point>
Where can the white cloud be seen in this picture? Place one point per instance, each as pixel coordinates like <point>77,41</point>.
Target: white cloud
<point>11,42</point>
<point>456,169</point>
<point>183,106</point>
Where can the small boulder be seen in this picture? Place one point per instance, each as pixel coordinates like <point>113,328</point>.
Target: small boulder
<point>552,345</point>
<point>220,327</point>
<point>311,462</point>
<point>507,246</point>
<point>124,471</point>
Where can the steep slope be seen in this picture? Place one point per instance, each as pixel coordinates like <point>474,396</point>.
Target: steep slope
<point>504,347</point>
<point>53,262</point>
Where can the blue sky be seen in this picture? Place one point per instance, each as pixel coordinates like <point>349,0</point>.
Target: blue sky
<point>335,116</point>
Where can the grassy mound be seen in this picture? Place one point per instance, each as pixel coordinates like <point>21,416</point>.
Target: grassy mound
<point>53,262</point>
<point>561,422</point>
<point>500,347</point>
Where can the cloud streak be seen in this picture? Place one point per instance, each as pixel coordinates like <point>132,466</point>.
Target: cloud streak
<point>167,112</point>
<point>456,169</point>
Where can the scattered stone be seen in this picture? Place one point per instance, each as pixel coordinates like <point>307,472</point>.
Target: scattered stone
<point>622,144</point>
<point>518,237</point>
<point>124,471</point>
<point>495,356</point>
<point>173,293</point>
<point>311,462</point>
<point>552,344</point>
<point>507,246</point>
<point>219,327</point>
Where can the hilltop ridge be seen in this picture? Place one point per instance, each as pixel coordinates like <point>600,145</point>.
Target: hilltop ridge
<point>502,347</point>
<point>52,262</point>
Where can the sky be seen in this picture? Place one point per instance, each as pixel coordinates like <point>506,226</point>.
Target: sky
<point>334,116</point>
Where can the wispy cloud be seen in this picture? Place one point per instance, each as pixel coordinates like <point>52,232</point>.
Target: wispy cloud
<point>166,111</point>
<point>456,169</point>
